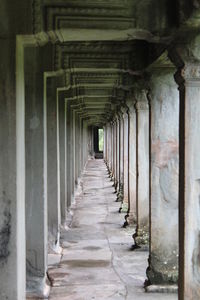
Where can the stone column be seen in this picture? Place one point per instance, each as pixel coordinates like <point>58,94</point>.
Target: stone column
<point>114,153</point>
<point>163,259</point>
<point>70,159</point>
<point>142,231</point>
<point>112,150</point>
<point>189,181</point>
<point>118,152</point>
<point>36,173</point>
<point>109,148</point>
<point>12,170</point>
<point>53,170</point>
<point>131,216</point>
<point>120,194</point>
<point>63,156</point>
<point>124,206</point>
<point>105,141</point>
<point>106,144</point>
<point>73,148</point>
<point>85,142</point>
<point>80,142</point>
<point>12,149</point>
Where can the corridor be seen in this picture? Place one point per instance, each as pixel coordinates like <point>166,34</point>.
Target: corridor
<point>99,149</point>
<point>96,260</point>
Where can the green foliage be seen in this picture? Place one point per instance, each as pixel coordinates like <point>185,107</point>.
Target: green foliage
<point>101,139</point>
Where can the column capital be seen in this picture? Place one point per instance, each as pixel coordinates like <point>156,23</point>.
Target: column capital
<point>131,106</point>
<point>115,117</point>
<point>111,123</point>
<point>119,115</point>
<point>186,58</point>
<point>124,110</point>
<point>191,72</point>
<point>142,105</point>
<point>142,101</point>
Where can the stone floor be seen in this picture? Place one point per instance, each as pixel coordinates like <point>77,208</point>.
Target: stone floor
<point>96,262</point>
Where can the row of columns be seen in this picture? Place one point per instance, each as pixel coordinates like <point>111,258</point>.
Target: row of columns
<point>56,153</point>
<point>157,181</point>
<point>52,146</point>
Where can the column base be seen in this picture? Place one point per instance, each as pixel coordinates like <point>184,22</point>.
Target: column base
<point>173,289</point>
<point>115,185</point>
<point>37,287</point>
<point>123,208</point>
<point>130,220</point>
<point>111,177</point>
<point>141,238</point>
<point>54,243</point>
<point>162,270</point>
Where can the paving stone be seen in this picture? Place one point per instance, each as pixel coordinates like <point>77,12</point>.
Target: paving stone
<point>54,259</point>
<point>97,261</point>
<point>89,292</point>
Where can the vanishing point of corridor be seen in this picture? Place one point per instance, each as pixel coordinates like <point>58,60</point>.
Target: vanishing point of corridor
<point>97,261</point>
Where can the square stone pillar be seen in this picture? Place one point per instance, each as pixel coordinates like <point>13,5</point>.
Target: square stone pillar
<point>121,160</point>
<point>62,155</point>
<point>53,164</point>
<point>74,178</point>
<point>109,148</point>
<point>72,152</point>
<point>124,206</point>
<point>164,96</point>
<point>70,159</point>
<point>12,149</point>
<point>77,147</point>
<point>112,149</point>
<point>36,172</point>
<point>104,144</point>
<point>80,145</point>
<point>189,183</point>
<point>132,167</point>
<point>118,152</point>
<point>115,153</point>
<point>141,236</point>
<point>12,171</point>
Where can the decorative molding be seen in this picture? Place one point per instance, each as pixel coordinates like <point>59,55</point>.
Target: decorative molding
<point>52,15</point>
<point>37,16</point>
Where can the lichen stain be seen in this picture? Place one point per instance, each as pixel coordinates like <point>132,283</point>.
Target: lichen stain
<point>164,151</point>
<point>5,229</point>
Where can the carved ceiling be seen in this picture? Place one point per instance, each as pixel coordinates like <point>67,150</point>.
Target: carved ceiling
<point>103,46</point>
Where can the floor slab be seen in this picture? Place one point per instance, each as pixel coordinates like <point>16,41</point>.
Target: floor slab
<point>97,261</point>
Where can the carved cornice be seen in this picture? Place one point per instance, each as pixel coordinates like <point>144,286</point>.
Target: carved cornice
<point>52,15</point>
